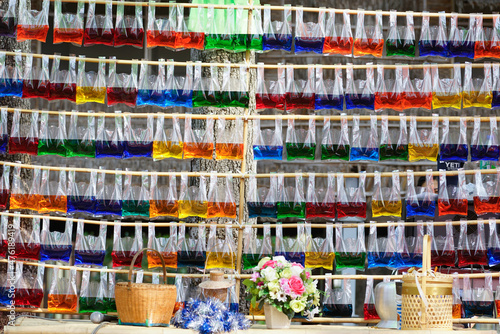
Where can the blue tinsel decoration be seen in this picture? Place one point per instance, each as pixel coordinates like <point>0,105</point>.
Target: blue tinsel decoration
<point>208,317</point>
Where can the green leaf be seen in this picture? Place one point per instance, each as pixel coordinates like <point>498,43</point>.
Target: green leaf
<point>248,282</point>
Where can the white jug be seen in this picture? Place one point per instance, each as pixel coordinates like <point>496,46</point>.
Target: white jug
<point>385,304</point>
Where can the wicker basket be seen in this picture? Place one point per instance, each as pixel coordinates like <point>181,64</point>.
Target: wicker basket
<point>144,304</point>
<point>438,293</point>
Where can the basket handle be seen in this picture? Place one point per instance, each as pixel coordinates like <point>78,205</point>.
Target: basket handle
<point>135,258</point>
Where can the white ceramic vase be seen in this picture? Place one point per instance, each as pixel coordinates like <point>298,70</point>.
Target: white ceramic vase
<point>275,319</point>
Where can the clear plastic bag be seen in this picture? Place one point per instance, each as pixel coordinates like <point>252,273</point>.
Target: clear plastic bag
<point>486,196</point>
<point>27,243</point>
<point>299,93</point>
<point>360,94</point>
<point>229,139</point>
<point>206,90</point>
<point>484,144</point>
<point>167,246</point>
<point>329,94</point>
<point>369,311</point>
<point>453,147</point>
<point>160,31</point>
<point>90,249</point>
<point>386,201</point>
<point>198,143</point>
<point>423,144</point>
<point>81,139</point>
<point>251,248</point>
<point>472,247</point>
<point>262,201</point>
<point>55,245</point>
<point>19,196</point>
<point>180,89</point>
<point>186,38</point>
<point>447,93</point>
<point>295,248</point>
<point>52,139</point>
<point>493,244</point>
<point>301,143</point>
<point>309,36</point>
<point>277,34</point>
<point>220,205</point>
<point>193,200</point>
<point>110,141</point>
<point>5,188</point>
<point>93,294</point>
<point>124,249</point>
<point>129,30</point>
<point>152,88</point>
<point>320,252</point>
<point>33,24</point>
<point>321,202</point>
<point>63,82</point>
<point>433,40</point>
<point>63,295</point>
<point>162,199</point>
<point>99,28</point>
<point>338,38</point>
<point>368,40</point>
<point>338,302</point>
<point>192,252</point>
<point>122,87</point>
<point>91,86</point>
<point>376,248</point>
<point>335,144</point>
<point>478,301</point>
<point>351,201</point>
<point>477,92</point>
<point>417,93</point>
<point>268,144</point>
<point>234,91</point>
<point>4,132</point>
<point>350,252</point>
<point>82,195</point>
<point>423,201</point>
<point>136,197</point>
<point>389,93</point>
<point>138,142</point>
<point>495,100</point>
<point>68,27</point>
<point>487,40</point>
<point>461,41</point>
<point>365,145</point>
<point>452,200</point>
<point>28,287</point>
<point>256,32</point>
<point>36,82</point>
<point>400,40</point>
<point>167,143</point>
<point>11,76</point>
<point>109,198</point>
<point>393,143</point>
<point>8,20</point>
<point>52,193</point>
<point>442,246</point>
<point>291,200</point>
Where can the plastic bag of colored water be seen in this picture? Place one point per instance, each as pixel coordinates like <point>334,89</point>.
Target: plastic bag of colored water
<point>33,24</point>
<point>220,29</point>
<point>447,93</point>
<point>4,189</point>
<point>81,139</point>
<point>291,200</point>
<point>495,100</point>
<point>129,29</point>
<point>68,27</point>
<point>478,301</point>
<point>27,243</point>
<point>320,202</point>
<point>277,34</point>
<point>417,93</point>
<point>193,200</point>
<point>125,248</point>
<point>109,199</point>
<point>229,139</point>
<point>82,195</point>
<point>250,256</point>
<point>135,197</point>
<point>19,194</point>
<point>160,31</point>
<point>192,251</point>
<point>365,145</point>
<point>452,200</point>
<point>109,142</point>
<point>99,28</point>
<point>300,143</point>
<point>52,139</point>
<point>400,40</point>
<point>486,196</point>
<point>4,132</point>
<point>442,246</point>
<point>369,311</point>
<point>368,40</point>
<point>335,145</point>
<point>350,252</point>
<point>198,143</point>
<point>152,90</point>
<point>454,145</point>
<point>270,94</point>
<point>221,203</point>
<point>376,248</point>
<point>256,31</point>
<point>36,79</point>
<point>63,82</point>
<point>63,295</point>
<point>268,143</point>
<point>411,253</point>
<point>386,201</point>
<point>179,88</point>
<point>329,94</point>
<point>393,142</point>
<point>91,86</point>
<point>433,40</point>
<point>11,77</point>
<point>206,91</point>
<point>138,141</point>
<point>487,40</point>
<point>391,258</point>
<point>167,143</point>
<point>461,41</point>
<point>28,286</point>
<point>360,94</point>
<point>309,36</point>
<point>262,200</point>
<point>477,92</point>
<point>234,91</point>
<point>167,246</point>
<point>163,199</point>
<point>420,201</point>
<point>55,245</point>
<point>493,244</point>
<point>320,252</point>
<point>389,93</point>
<point>93,294</point>
<point>52,193</point>
<point>24,139</point>
<point>423,144</point>
<point>472,247</point>
<point>337,302</point>
<point>338,37</point>
<point>90,249</point>
<point>189,36</point>
<point>296,247</point>
<point>484,144</point>
<point>8,20</point>
<point>122,87</point>
<point>299,93</point>
<point>351,201</point>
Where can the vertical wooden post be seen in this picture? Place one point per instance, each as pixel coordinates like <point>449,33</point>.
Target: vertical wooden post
<point>426,266</point>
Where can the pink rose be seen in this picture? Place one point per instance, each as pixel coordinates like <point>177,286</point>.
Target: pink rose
<point>285,286</point>
<point>296,285</point>
<point>295,264</point>
<point>255,276</point>
<point>269,263</point>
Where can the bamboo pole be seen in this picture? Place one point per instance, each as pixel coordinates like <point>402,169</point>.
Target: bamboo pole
<point>266,66</point>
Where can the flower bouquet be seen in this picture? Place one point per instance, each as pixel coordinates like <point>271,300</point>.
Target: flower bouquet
<point>287,286</point>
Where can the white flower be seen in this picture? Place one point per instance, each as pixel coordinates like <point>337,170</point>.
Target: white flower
<point>280,258</point>
<point>273,295</point>
<point>281,296</point>
<point>269,274</point>
<point>309,314</point>
<point>296,270</point>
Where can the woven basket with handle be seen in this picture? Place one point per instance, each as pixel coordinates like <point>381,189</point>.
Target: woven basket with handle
<point>145,304</point>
